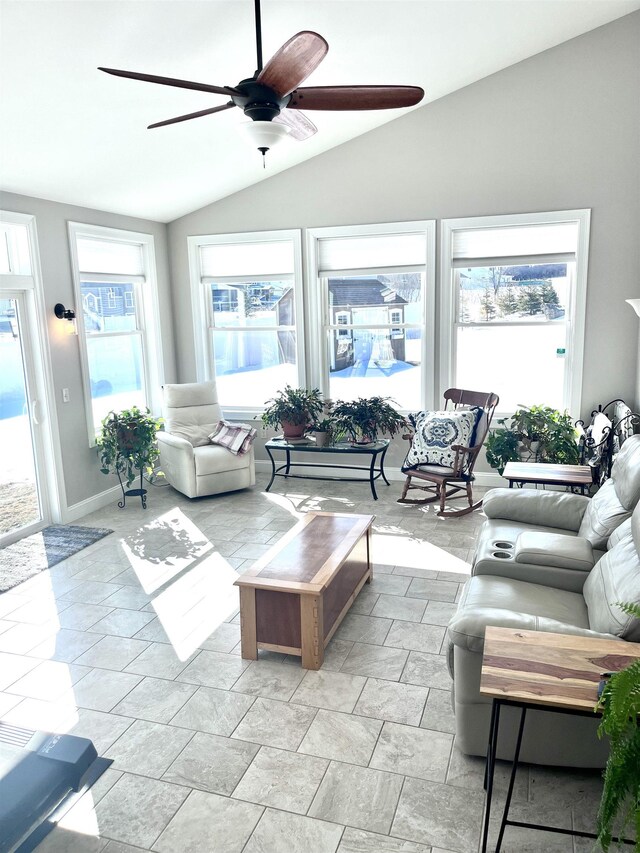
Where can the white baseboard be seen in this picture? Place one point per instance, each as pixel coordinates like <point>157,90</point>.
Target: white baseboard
<point>89,505</point>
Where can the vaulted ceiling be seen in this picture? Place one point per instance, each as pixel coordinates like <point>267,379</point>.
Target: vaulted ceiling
<point>73,134</point>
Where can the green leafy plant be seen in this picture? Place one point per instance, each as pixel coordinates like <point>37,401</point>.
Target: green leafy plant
<point>363,419</point>
<point>553,430</point>
<point>620,709</point>
<point>127,443</point>
<point>296,406</point>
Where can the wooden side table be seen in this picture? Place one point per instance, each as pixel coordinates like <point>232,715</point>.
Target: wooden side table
<point>559,673</point>
<point>540,473</point>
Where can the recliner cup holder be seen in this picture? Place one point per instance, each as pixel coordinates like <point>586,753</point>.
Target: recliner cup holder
<point>502,555</point>
<point>503,546</point>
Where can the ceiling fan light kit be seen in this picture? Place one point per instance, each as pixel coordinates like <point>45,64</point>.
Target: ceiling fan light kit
<point>273,97</point>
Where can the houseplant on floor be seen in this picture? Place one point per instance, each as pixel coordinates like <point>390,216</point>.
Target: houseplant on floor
<point>362,420</point>
<point>294,409</point>
<point>127,447</point>
<point>620,708</point>
<point>533,434</point>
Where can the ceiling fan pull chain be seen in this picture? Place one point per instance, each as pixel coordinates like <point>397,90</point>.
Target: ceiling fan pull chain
<point>258,36</point>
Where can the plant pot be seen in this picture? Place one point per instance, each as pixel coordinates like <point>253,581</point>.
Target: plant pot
<point>322,439</point>
<point>293,430</point>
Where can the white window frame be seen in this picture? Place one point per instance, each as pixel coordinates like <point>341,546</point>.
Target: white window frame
<point>575,316</point>
<point>320,321</point>
<point>341,318</point>
<point>201,309</point>
<point>148,311</point>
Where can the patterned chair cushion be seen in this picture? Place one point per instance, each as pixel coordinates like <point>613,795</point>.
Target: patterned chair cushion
<point>435,435</point>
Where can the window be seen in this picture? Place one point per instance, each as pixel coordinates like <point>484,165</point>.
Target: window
<point>115,285</point>
<point>514,297</point>
<point>248,315</point>
<point>375,311</point>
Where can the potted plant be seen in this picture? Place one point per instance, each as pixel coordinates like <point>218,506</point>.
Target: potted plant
<point>294,409</point>
<point>363,419</point>
<point>324,432</point>
<point>127,445</point>
<point>535,433</point>
<point>620,709</point>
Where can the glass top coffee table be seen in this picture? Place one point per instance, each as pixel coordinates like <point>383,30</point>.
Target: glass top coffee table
<point>376,450</point>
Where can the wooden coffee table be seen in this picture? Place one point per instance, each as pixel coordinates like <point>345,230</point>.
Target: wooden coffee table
<point>546,474</point>
<point>295,596</point>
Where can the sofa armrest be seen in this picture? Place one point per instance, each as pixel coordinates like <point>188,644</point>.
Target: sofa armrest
<point>554,549</point>
<point>467,627</point>
<point>175,442</point>
<point>544,509</point>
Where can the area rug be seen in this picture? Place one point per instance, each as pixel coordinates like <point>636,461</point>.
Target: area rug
<point>25,558</point>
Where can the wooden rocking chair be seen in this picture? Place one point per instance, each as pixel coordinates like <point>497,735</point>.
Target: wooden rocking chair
<point>445,483</point>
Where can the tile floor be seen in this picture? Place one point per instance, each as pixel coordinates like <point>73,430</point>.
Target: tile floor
<point>134,642</point>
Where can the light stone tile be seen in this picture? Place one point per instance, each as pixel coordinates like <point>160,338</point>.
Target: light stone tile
<point>397,607</point>
<point>281,779</point>
<point>100,689</point>
<point>214,669</point>
<point>365,601</point>
<point>412,752</point>
<point>335,691</point>
<point>153,630</point>
<point>214,711</point>
<point>387,700</point>
<point>122,623</point>
<point>131,599</point>
<point>80,617</point>
<point>432,813</point>
<point>112,652</point>
<point>137,809</point>
<point>389,584</point>
<point>91,592</point>
<point>40,610</point>
<point>467,771</point>
<point>530,841</point>
<point>49,680</point>
<point>148,748</point>
<point>37,714</point>
<point>13,667</point>
<point>359,841</point>
<point>357,796</point>
<point>269,679</point>
<point>211,763</point>
<point>117,847</point>
<point>251,551</point>
<point>223,639</point>
<point>99,571</point>
<point>342,737</point>
<point>438,613</point>
<point>159,660</point>
<point>283,832</point>
<point>7,702</point>
<point>335,654</point>
<point>438,713</point>
<point>278,724</point>
<point>61,840</point>
<point>579,789</point>
<point>363,629</point>
<point>415,637</point>
<point>103,729</point>
<point>433,590</point>
<point>415,572</point>
<point>427,670</point>
<point>20,637</point>
<point>155,699</point>
<point>375,661</point>
<point>209,823</point>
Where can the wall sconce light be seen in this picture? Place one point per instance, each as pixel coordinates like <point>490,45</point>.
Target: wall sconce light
<point>69,314</point>
<point>635,304</point>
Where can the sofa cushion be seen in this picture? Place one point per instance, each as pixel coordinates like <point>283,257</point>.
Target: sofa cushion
<point>554,549</point>
<point>604,513</point>
<point>214,459</point>
<point>435,435</point>
<point>536,509</point>
<point>191,411</point>
<point>626,473</point>
<point>616,579</point>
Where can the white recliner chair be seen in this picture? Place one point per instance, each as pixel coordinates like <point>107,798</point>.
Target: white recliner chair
<point>191,464</point>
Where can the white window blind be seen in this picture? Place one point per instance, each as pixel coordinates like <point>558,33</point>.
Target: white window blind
<point>107,256</point>
<point>378,251</point>
<point>556,241</point>
<point>247,260</point>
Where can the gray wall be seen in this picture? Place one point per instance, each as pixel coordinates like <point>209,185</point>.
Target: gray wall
<point>557,131</point>
<point>82,476</point>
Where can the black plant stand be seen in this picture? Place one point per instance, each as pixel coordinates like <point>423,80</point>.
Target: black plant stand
<point>132,493</point>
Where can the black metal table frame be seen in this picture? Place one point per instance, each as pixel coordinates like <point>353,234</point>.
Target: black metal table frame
<point>490,768</point>
<point>377,451</point>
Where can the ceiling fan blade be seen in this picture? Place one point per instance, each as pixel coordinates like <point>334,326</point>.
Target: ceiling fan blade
<point>171,81</point>
<point>293,63</point>
<point>355,97</point>
<point>192,115</point>
<point>300,126</point>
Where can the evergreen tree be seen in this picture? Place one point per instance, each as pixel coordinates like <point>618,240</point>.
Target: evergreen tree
<point>487,303</point>
<point>507,302</point>
<point>530,301</point>
<point>549,295</point>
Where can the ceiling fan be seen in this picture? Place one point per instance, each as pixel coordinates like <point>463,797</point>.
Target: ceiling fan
<point>274,95</point>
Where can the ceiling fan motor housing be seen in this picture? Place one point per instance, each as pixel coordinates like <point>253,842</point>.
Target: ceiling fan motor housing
<point>257,101</point>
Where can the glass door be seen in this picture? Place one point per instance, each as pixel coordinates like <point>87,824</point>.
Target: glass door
<point>23,508</point>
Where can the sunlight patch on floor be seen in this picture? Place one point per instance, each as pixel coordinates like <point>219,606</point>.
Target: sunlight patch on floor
<point>415,554</point>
